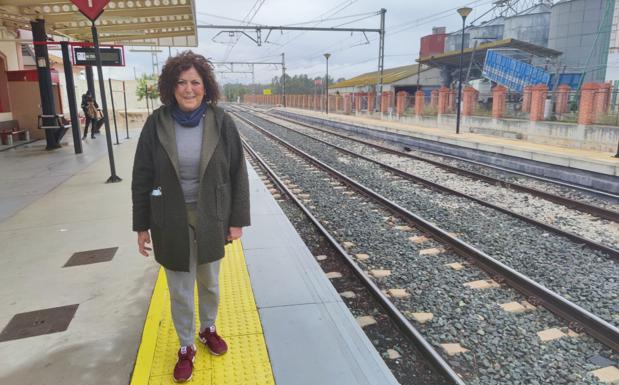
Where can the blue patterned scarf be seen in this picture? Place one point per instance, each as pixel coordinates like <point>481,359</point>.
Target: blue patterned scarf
<point>188,119</point>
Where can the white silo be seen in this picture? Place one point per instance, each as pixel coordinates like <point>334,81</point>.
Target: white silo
<point>531,25</point>
<point>581,30</point>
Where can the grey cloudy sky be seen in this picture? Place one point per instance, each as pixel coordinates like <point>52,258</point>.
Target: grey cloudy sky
<point>405,23</point>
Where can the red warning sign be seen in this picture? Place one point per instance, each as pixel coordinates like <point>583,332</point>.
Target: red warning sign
<point>92,9</point>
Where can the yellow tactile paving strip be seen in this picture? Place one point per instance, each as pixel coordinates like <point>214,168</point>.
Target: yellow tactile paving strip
<point>245,363</point>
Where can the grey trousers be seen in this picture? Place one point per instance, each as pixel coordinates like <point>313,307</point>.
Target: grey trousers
<point>181,285</point>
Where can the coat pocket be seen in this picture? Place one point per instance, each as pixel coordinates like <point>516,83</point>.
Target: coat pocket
<point>223,201</point>
<point>156,210</point>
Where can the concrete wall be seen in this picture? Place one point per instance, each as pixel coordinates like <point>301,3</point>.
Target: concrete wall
<point>9,49</point>
<point>569,135</point>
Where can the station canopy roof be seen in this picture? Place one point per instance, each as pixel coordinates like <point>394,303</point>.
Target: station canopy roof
<point>126,22</point>
<point>390,75</point>
<point>478,54</point>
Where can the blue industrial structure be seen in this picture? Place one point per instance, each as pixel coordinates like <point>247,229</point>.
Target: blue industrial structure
<point>515,74</point>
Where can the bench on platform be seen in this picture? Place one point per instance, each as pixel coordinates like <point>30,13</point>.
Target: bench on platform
<point>58,122</point>
<point>55,126</point>
<point>10,129</point>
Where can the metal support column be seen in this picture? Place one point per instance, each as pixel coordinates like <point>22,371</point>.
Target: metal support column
<point>90,82</point>
<point>108,135</point>
<point>253,80</point>
<point>126,113</point>
<point>45,83</point>
<point>70,84</point>
<point>327,56</point>
<point>381,60</point>
<point>283,79</point>
<point>113,109</point>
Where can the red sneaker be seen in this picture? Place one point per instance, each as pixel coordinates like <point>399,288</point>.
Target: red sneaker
<point>184,366</point>
<point>213,341</point>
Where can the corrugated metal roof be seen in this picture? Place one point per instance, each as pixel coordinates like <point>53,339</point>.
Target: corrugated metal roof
<point>141,23</point>
<point>390,75</point>
<point>451,58</point>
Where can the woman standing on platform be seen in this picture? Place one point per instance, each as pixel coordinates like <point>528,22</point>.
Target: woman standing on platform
<point>190,189</point>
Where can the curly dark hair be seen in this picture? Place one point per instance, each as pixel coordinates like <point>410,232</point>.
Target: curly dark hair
<point>182,62</point>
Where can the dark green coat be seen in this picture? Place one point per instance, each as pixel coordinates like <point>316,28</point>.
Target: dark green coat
<point>223,198</point>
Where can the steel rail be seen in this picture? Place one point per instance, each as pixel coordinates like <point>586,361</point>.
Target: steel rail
<point>613,253</point>
<point>400,320</point>
<point>510,171</point>
<point>578,317</point>
<point>580,206</point>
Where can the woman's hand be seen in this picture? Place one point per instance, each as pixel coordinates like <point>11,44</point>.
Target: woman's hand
<point>234,233</point>
<point>143,239</point>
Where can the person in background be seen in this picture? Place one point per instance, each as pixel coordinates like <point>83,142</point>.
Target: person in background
<point>190,195</point>
<point>91,112</point>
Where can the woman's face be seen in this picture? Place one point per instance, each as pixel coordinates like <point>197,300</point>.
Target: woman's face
<point>189,90</point>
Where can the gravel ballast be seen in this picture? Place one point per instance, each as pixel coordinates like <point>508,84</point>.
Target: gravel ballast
<point>584,276</point>
<point>503,347</point>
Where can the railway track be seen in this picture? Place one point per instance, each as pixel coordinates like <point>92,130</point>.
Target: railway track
<point>596,202</point>
<point>575,271</point>
<point>451,298</point>
<point>602,212</point>
<point>607,231</point>
<point>414,373</point>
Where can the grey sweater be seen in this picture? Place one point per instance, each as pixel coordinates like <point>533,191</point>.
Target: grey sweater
<point>189,147</point>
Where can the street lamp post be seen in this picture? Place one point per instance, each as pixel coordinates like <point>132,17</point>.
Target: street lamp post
<point>327,56</point>
<point>464,12</point>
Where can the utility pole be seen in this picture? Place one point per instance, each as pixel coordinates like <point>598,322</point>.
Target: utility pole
<point>381,59</point>
<point>327,56</point>
<point>253,80</point>
<point>284,79</point>
<point>418,72</point>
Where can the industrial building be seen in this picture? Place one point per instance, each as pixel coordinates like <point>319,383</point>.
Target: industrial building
<point>581,30</point>
<point>561,42</point>
<point>406,78</point>
<point>563,37</point>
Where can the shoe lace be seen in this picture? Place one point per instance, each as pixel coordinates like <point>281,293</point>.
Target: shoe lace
<point>211,333</point>
<point>184,353</point>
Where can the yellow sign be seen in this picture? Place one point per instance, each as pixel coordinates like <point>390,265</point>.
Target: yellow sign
<point>266,91</point>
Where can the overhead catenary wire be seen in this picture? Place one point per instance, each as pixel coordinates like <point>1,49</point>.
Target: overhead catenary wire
<point>331,12</point>
<point>246,20</point>
<point>363,15</point>
<point>402,27</point>
<point>335,48</point>
<point>224,18</point>
<point>340,46</point>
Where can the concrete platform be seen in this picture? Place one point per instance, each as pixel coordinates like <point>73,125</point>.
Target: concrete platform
<point>311,337</point>
<point>588,168</point>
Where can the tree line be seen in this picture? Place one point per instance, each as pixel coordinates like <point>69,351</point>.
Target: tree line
<point>295,85</point>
